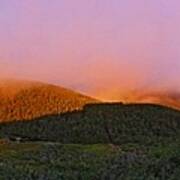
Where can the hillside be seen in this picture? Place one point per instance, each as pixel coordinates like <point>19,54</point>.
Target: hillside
<point>101,141</point>
<point>27,100</point>
<point>49,132</point>
<point>101,123</point>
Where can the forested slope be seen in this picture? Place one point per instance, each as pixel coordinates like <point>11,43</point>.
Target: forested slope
<point>101,123</point>
<point>27,100</point>
<point>100,142</point>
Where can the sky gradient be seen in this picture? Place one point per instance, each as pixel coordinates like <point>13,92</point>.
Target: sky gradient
<point>99,47</point>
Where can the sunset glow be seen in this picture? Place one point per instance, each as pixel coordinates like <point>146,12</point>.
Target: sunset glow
<point>103,48</point>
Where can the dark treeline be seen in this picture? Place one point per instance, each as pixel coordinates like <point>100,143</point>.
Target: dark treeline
<point>101,123</point>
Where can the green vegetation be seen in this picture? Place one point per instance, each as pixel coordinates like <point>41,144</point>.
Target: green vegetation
<point>67,162</point>
<point>106,123</point>
<point>100,142</point>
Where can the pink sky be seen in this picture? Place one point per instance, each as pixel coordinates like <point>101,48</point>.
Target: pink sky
<point>99,47</point>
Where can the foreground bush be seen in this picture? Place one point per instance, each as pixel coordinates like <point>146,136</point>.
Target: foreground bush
<point>98,162</point>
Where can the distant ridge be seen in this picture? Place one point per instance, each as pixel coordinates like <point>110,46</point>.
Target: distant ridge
<point>25,100</point>
<point>167,98</point>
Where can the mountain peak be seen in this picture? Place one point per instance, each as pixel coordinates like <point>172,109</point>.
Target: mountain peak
<point>24,100</point>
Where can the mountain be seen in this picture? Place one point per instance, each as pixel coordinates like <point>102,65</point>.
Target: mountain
<point>49,132</point>
<point>101,141</point>
<point>25,100</point>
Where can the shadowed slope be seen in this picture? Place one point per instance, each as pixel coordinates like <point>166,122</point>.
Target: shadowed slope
<point>102,123</point>
<point>26,100</point>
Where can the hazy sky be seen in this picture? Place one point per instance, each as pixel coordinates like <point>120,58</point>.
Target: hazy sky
<point>101,47</point>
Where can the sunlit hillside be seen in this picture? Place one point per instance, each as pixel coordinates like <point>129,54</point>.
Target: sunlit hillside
<point>26,100</point>
<point>161,97</point>
<point>167,98</point>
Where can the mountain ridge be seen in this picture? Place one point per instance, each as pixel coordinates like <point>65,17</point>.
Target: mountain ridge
<point>26,100</point>
<point>166,98</point>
